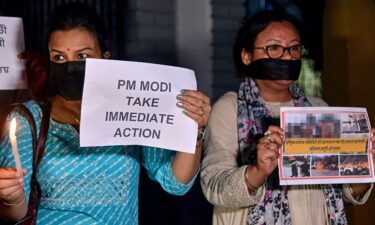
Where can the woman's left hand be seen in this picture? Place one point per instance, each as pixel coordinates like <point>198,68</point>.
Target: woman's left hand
<point>195,105</point>
<point>372,138</point>
<point>359,189</point>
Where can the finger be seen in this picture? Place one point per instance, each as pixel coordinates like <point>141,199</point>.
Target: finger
<point>17,193</point>
<point>196,105</point>
<point>11,193</point>
<point>6,192</point>
<point>275,138</point>
<point>203,99</point>
<point>22,55</point>
<point>268,155</point>
<point>276,129</point>
<point>14,195</point>
<point>8,173</point>
<point>273,146</point>
<point>188,100</point>
<point>24,172</point>
<point>263,140</point>
<point>197,118</point>
<point>191,108</point>
<point>6,183</point>
<point>270,147</point>
<point>372,134</point>
<point>199,114</point>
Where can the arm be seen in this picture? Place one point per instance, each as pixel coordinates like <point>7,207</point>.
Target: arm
<point>353,193</point>
<point>267,156</point>
<point>158,163</point>
<point>13,203</point>
<point>176,171</point>
<point>13,206</point>
<point>222,178</point>
<point>197,106</point>
<point>185,166</point>
<point>359,193</point>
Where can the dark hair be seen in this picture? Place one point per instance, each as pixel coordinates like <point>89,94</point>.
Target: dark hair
<point>250,29</point>
<point>78,15</point>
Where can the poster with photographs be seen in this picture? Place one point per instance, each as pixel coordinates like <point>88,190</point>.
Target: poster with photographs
<point>325,145</point>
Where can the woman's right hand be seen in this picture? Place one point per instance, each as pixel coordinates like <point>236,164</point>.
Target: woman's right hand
<point>11,185</point>
<point>37,73</point>
<point>267,156</point>
<point>268,150</point>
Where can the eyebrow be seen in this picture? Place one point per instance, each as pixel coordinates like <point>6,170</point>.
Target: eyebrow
<point>79,50</point>
<point>278,40</point>
<point>83,49</point>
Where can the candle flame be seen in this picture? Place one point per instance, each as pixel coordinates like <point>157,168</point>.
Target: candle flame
<point>13,125</point>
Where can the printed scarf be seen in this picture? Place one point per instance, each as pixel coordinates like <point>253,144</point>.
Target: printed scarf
<point>253,120</point>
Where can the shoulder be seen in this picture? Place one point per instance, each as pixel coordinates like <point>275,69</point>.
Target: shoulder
<point>317,101</point>
<point>227,100</point>
<point>34,108</point>
<point>225,107</point>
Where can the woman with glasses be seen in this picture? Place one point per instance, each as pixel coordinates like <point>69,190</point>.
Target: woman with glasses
<point>239,175</point>
<point>84,185</point>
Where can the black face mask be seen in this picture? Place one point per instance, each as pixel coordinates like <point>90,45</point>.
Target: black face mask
<point>66,79</point>
<point>274,69</point>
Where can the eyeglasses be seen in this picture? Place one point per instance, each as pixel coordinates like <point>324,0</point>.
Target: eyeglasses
<point>278,51</point>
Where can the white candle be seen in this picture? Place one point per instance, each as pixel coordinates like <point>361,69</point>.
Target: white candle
<point>13,142</point>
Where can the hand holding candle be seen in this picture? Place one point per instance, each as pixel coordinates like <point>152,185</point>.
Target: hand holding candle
<point>13,141</point>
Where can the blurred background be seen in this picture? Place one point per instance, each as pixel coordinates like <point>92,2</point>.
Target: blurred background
<point>199,34</point>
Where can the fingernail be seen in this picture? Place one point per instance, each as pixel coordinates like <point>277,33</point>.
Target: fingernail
<point>183,91</point>
<point>180,96</point>
<point>18,175</point>
<point>184,112</point>
<point>20,180</point>
<point>179,104</point>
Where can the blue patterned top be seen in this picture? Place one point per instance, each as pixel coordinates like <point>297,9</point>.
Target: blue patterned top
<point>88,185</point>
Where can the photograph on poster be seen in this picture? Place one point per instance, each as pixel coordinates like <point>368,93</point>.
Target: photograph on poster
<point>325,145</point>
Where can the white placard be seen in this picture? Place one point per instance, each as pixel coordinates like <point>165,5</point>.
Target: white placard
<point>325,145</point>
<point>12,69</point>
<point>132,103</point>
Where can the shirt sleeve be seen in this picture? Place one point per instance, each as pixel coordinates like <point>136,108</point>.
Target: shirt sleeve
<point>158,163</point>
<point>348,197</point>
<point>222,178</point>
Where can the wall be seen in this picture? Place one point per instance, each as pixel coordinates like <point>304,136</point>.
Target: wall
<point>348,68</point>
<point>349,54</point>
<point>227,16</point>
<point>150,31</point>
<point>193,40</point>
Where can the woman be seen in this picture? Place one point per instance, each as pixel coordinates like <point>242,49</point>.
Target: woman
<point>95,185</point>
<point>238,170</point>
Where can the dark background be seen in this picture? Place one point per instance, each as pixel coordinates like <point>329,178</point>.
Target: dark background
<point>156,206</point>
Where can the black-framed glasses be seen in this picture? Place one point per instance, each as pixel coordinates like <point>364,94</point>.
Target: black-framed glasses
<point>278,51</point>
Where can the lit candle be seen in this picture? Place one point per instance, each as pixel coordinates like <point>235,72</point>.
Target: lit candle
<point>13,142</point>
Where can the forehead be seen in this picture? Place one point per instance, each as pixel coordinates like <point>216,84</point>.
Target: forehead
<point>73,38</point>
<point>281,31</point>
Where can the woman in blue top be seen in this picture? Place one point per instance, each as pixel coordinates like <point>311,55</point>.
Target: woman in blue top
<point>93,185</point>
